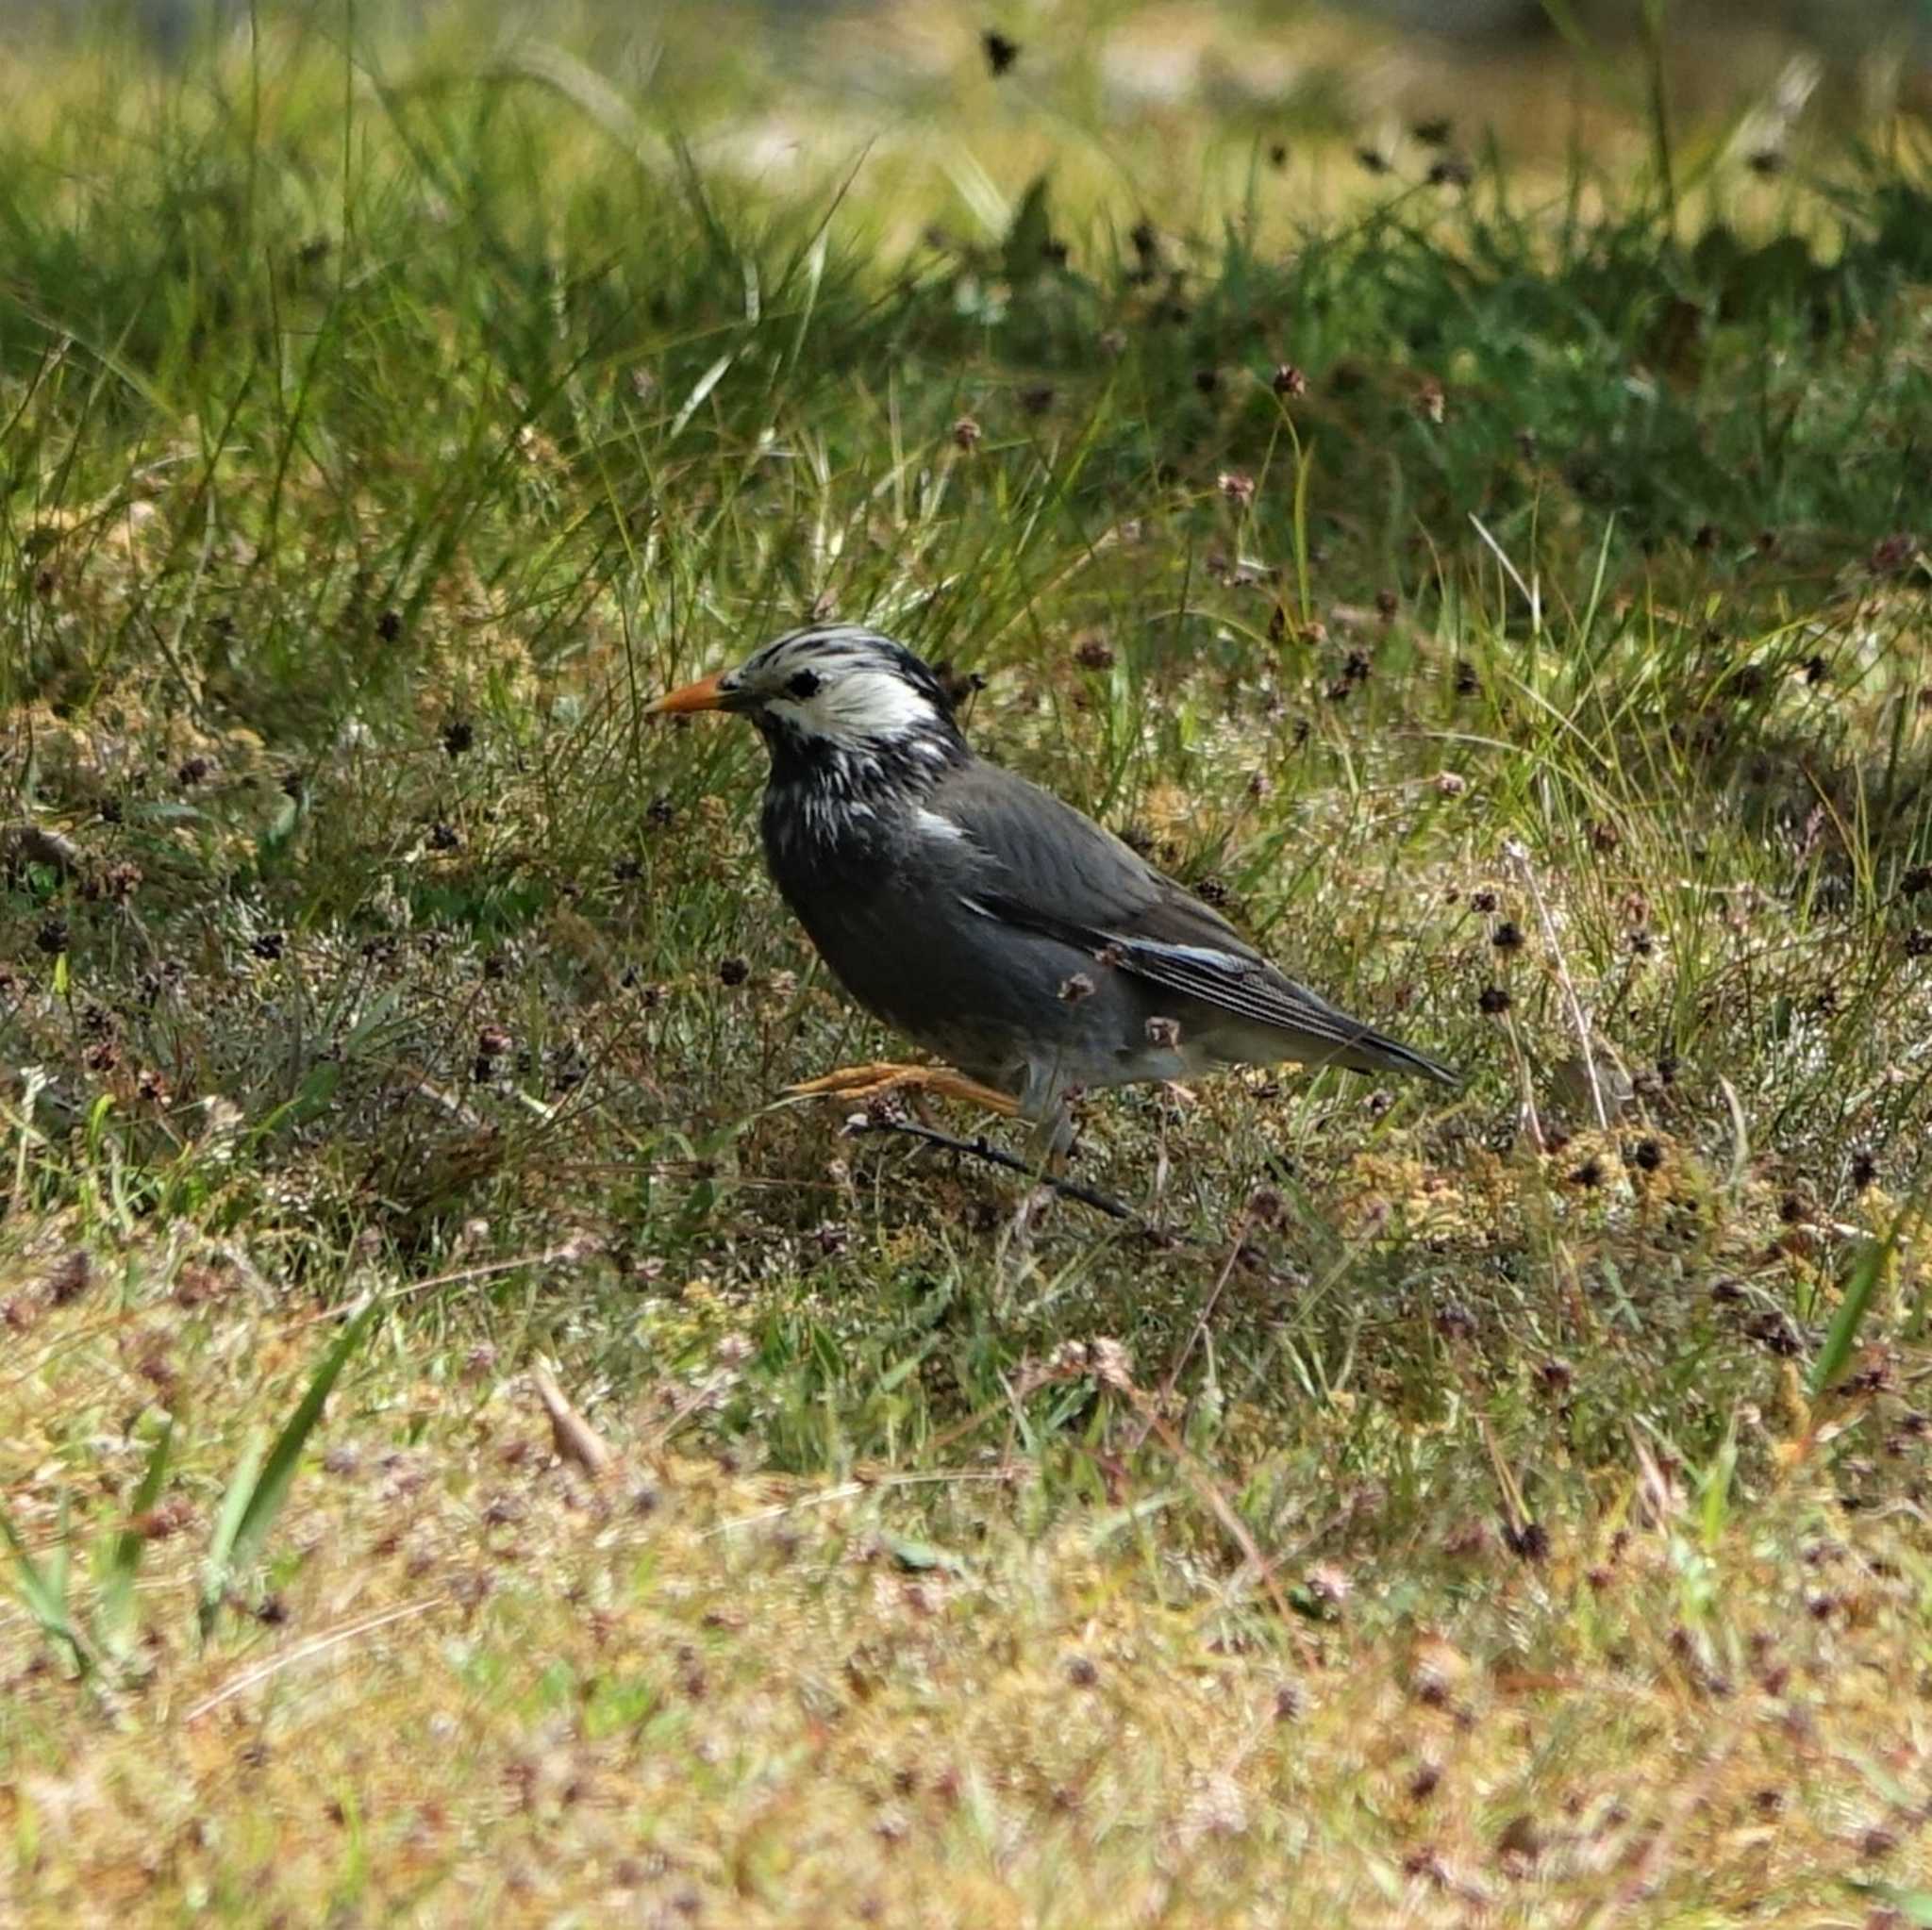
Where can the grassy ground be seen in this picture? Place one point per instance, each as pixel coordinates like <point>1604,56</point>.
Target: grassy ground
<point>1507,591</point>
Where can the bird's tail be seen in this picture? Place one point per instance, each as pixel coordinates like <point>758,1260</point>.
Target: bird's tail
<point>1371,1050</point>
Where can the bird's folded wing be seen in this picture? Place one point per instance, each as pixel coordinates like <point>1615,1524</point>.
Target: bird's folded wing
<point>1049,869</point>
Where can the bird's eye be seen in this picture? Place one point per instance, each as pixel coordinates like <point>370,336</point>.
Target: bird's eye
<point>803,683</point>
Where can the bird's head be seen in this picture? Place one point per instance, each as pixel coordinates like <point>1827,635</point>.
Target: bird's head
<point>837,697</point>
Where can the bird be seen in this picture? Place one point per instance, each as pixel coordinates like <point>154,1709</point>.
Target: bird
<point>1030,951</point>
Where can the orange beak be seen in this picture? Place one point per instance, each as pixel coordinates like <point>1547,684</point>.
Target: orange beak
<point>701,695</point>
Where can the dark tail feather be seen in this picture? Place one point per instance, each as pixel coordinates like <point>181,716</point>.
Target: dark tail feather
<point>1371,1050</point>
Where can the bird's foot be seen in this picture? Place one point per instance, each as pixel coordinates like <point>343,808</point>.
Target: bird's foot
<point>882,1077</point>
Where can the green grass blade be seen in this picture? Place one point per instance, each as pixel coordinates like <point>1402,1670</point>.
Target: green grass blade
<point>261,1484</point>
<point>124,1560</point>
<point>45,1592</point>
<point>1841,1339</point>
<point>227,1528</point>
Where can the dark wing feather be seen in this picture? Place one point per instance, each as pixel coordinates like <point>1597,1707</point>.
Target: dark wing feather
<point>1049,869</point>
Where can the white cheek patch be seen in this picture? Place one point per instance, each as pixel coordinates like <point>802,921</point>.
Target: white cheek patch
<point>857,705</point>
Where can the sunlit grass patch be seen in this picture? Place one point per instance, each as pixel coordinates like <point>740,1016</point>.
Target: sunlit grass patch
<point>1504,595</point>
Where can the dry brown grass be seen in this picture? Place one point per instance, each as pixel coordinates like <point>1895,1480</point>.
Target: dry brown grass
<point>486,1685</point>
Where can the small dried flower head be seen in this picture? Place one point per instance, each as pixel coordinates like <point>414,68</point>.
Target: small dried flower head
<point>1387,604</point>
<point>1277,154</point>
<point>1451,783</point>
<point>1507,937</point>
<point>53,937</point>
<point>1329,1584</point>
<point>1864,1171</point>
<point>192,772</point>
<point>459,735</point>
<point>1646,1156</point>
<point>1093,653</point>
<point>1038,399</point>
<point>1492,999</point>
<point>1450,170</point>
<point>70,1277</point>
<point>1531,1541</point>
<point>1289,381</point>
<point>1066,1360</point>
<point>1371,160</point>
<point>1892,555</point>
<point>966,433</point>
<point>733,971</point>
<point>1237,486</point>
<point>999,52</point>
<point>1075,989</point>
<point>1431,403</point>
<point>388,626</point>
<point>1482,902</point>
<point>1111,1364</point>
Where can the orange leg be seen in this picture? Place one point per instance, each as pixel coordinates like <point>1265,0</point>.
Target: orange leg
<point>876,1081</point>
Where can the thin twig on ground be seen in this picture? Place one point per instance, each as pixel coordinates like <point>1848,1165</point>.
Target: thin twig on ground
<point>981,1149</point>
<point>1195,1335</point>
